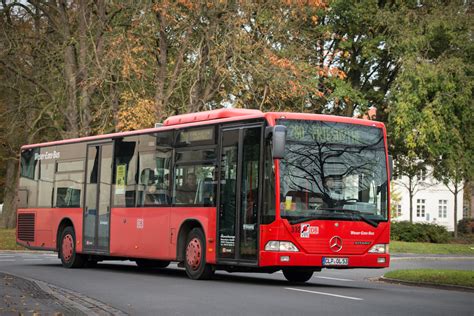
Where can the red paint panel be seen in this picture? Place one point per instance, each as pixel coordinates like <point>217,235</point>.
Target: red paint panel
<point>206,216</point>
<point>152,232</point>
<point>47,221</point>
<point>272,258</point>
<point>272,116</point>
<point>140,232</point>
<point>357,237</point>
<point>210,115</point>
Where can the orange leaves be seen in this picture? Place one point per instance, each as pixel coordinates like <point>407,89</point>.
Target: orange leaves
<point>137,113</point>
<point>310,3</point>
<point>283,63</point>
<point>332,72</point>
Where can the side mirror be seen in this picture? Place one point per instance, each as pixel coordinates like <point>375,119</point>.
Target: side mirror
<point>279,141</point>
<point>390,165</point>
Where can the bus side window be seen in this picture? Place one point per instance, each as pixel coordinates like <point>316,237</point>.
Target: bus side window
<point>29,173</point>
<point>124,174</point>
<point>154,172</point>
<point>195,185</point>
<point>68,183</point>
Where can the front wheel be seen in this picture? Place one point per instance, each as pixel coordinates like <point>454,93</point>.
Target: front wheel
<point>195,256</point>
<point>67,250</point>
<point>298,276</point>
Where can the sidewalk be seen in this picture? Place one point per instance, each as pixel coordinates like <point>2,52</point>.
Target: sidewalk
<point>22,296</point>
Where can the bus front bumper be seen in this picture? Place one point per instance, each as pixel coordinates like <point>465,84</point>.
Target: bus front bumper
<point>339,261</point>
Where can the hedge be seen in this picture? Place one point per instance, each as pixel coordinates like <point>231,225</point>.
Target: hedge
<point>419,232</point>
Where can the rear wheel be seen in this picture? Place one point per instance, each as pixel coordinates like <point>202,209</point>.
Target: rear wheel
<point>67,250</point>
<point>195,256</point>
<point>147,263</point>
<point>298,276</point>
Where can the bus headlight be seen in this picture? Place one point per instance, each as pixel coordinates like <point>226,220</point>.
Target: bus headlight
<point>379,248</point>
<point>276,245</point>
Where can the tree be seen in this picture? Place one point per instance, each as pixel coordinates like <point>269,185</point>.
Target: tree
<point>433,94</point>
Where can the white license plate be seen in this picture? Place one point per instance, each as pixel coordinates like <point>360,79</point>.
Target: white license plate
<point>335,261</point>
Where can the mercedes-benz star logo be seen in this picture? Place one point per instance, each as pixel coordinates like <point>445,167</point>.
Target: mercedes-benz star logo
<point>335,243</point>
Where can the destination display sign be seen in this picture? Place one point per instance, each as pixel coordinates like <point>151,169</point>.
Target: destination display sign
<point>331,133</point>
<point>196,135</point>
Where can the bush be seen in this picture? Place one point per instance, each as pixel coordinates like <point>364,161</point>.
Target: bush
<point>465,227</point>
<point>419,232</point>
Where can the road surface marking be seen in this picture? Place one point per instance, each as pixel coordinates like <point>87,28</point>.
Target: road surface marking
<point>32,259</point>
<point>336,279</point>
<point>7,260</point>
<point>327,294</point>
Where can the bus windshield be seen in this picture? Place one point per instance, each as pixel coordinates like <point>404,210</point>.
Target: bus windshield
<point>333,171</point>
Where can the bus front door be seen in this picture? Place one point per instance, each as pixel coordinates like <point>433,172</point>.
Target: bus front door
<point>239,198</point>
<point>96,231</point>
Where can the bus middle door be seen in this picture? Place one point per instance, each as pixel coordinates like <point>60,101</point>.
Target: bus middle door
<point>239,197</point>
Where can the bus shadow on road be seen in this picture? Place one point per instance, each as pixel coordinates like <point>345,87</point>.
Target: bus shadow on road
<point>220,276</point>
<point>261,280</point>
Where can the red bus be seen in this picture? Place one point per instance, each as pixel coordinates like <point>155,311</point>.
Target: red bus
<point>229,189</point>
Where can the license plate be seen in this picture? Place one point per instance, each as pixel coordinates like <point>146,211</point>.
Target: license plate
<point>335,261</point>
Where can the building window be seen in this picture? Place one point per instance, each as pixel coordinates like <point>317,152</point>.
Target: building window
<point>420,208</point>
<point>443,208</point>
<point>421,175</point>
<point>399,210</point>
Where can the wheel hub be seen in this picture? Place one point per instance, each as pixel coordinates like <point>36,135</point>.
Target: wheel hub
<point>193,253</point>
<point>67,247</point>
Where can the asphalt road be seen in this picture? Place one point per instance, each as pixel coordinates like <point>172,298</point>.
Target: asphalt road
<point>168,291</point>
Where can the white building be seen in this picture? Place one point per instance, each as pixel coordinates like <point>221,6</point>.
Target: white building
<point>433,202</point>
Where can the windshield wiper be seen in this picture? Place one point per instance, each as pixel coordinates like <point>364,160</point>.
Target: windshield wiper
<point>359,215</point>
<point>354,212</point>
<point>364,218</point>
<point>301,220</point>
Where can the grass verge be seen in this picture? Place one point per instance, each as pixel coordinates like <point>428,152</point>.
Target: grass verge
<point>8,240</point>
<point>441,277</point>
<point>427,248</point>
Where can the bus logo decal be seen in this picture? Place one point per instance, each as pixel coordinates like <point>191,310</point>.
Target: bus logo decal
<point>306,230</point>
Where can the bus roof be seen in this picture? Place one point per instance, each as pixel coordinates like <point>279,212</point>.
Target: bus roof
<point>215,116</point>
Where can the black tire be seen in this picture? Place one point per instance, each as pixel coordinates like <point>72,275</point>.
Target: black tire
<point>196,266</point>
<point>147,263</point>
<point>297,276</point>
<point>67,250</point>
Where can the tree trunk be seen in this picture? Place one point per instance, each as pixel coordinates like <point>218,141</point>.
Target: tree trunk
<point>162,61</point>
<point>70,75</point>
<point>410,193</point>
<point>10,201</point>
<point>456,210</point>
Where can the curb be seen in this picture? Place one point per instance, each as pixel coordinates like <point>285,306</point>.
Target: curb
<point>83,304</point>
<point>427,284</point>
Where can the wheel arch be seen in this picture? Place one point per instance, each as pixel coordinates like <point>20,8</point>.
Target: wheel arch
<point>184,230</point>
